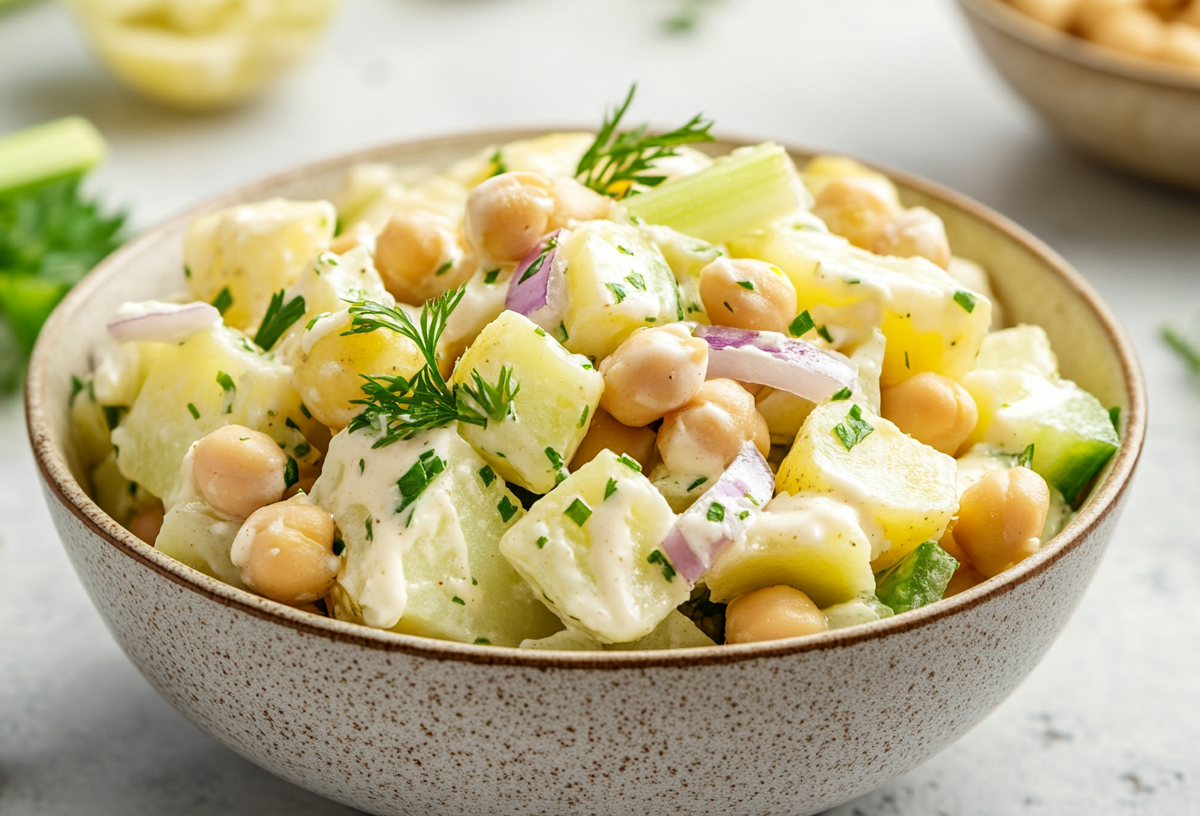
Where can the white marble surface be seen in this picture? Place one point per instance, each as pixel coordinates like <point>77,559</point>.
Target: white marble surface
<point>1109,723</point>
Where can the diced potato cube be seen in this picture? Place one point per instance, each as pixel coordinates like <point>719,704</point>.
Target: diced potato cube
<point>860,610</point>
<point>328,285</point>
<point>558,394</point>
<point>894,481</point>
<point>617,281</point>
<point>193,533</point>
<point>687,257</point>
<point>930,321</point>
<point>675,632</point>
<point>116,495</point>
<point>214,378</point>
<point>239,257</point>
<point>810,543</point>
<point>421,519</point>
<point>591,549</point>
<point>1021,348</point>
<point>93,436</point>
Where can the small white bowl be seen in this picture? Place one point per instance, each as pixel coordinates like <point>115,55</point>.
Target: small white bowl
<point>400,724</point>
<point>1129,113</point>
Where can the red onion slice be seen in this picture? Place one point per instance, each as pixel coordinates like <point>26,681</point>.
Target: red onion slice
<point>719,517</point>
<point>770,358</point>
<point>537,289</point>
<point>157,322</point>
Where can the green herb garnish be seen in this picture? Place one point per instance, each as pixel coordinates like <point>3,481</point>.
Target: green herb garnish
<point>618,290</point>
<point>668,571</point>
<point>629,463</point>
<point>716,512</point>
<point>495,400</point>
<point>458,601</point>
<point>616,162</point>
<point>542,542</point>
<point>610,488</point>
<point>748,285</point>
<point>223,300</point>
<point>278,319</point>
<point>291,472</point>
<point>843,394</point>
<point>824,332</point>
<point>965,299</point>
<point>802,324</point>
<point>413,483</point>
<point>488,475</point>
<point>193,410</point>
<point>636,281</point>
<point>370,525</point>
<point>1026,458</point>
<point>854,430</point>
<point>506,508</point>
<point>578,512</point>
<point>697,483</point>
<point>583,417</point>
<point>491,275</point>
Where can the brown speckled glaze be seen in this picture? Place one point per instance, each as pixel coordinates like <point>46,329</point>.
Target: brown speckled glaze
<point>1137,115</point>
<point>398,724</point>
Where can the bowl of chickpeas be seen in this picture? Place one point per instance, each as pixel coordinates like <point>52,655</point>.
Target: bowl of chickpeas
<point>398,723</point>
<point>1119,80</point>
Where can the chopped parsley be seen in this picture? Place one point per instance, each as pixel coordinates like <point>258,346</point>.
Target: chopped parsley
<point>291,472</point>
<point>542,542</point>
<point>624,250</point>
<point>668,571</point>
<point>583,417</point>
<point>279,318</point>
<point>193,411</point>
<point>844,394</point>
<point>618,290</point>
<point>413,483</point>
<point>803,323</point>
<point>1026,457</point>
<point>304,410</point>
<point>636,281</point>
<point>562,329</point>
<point>314,320</point>
<point>555,458</point>
<point>506,508</point>
<point>536,266</point>
<point>716,512</point>
<point>539,331</point>
<point>488,475</point>
<point>303,449</point>
<point>370,525</point>
<point>496,160</point>
<point>965,299</point>
<point>753,500</point>
<point>610,488</point>
<point>629,463</point>
<point>458,601</point>
<point>223,300</point>
<point>854,430</point>
<point>578,512</point>
<point>697,483</point>
<point>482,641</point>
<point>824,332</point>
<point>745,514</point>
<point>444,268</point>
<point>490,276</point>
<point>748,285</point>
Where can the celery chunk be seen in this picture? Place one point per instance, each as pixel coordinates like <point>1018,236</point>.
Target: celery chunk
<point>917,580</point>
<point>746,191</point>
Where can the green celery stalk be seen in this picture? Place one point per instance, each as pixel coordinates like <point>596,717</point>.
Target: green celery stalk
<point>744,192</point>
<point>59,149</point>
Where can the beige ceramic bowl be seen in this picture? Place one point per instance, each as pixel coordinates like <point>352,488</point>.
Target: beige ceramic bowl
<point>1129,113</point>
<point>399,724</point>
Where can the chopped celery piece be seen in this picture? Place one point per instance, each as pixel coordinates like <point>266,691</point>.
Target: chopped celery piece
<point>917,580</point>
<point>749,190</point>
<point>65,147</point>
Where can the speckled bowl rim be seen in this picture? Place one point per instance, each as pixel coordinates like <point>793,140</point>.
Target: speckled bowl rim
<point>1045,38</point>
<point>68,491</point>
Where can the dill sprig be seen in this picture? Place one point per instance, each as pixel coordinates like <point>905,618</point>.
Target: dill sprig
<point>616,162</point>
<point>400,407</point>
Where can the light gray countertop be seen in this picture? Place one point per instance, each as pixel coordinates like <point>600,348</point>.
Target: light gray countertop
<point>1109,723</point>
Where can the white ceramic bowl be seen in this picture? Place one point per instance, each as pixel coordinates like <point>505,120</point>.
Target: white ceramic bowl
<point>1129,113</point>
<point>399,724</point>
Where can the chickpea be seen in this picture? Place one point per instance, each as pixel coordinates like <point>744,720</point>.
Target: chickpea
<point>147,524</point>
<point>604,432</point>
<point>1181,45</point>
<point>1131,29</point>
<point>575,203</point>
<point>762,433</point>
<point>707,433</point>
<point>238,470</point>
<point>932,409</point>
<point>1000,519</point>
<point>747,294</point>
<point>328,377</point>
<point>418,256</point>
<point>652,372</point>
<point>772,613</point>
<point>508,214</point>
<point>285,552</point>
<point>914,233</point>
<point>855,206</point>
<point>1057,13</point>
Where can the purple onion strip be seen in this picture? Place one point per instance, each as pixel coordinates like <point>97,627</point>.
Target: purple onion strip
<point>770,358</point>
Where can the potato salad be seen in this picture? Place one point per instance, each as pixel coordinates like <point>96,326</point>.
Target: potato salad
<point>589,392</point>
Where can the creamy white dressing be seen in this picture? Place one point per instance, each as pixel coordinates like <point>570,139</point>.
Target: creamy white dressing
<point>324,326</point>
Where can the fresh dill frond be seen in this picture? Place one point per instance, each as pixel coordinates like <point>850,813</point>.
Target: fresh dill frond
<point>278,319</point>
<point>617,161</point>
<point>495,400</point>
<point>398,408</point>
